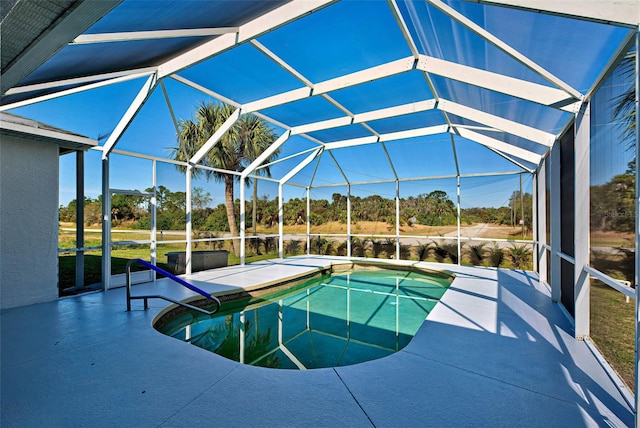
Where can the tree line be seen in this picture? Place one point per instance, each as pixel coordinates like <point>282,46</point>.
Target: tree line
<point>429,209</point>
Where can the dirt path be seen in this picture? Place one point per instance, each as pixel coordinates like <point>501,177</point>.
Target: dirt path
<point>472,231</point>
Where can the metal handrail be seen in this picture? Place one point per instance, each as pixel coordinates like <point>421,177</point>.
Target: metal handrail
<point>156,296</point>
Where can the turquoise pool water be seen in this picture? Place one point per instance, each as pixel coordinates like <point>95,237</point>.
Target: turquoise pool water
<point>329,321</point>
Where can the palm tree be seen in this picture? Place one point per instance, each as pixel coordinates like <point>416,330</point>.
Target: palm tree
<point>240,145</point>
<point>624,111</point>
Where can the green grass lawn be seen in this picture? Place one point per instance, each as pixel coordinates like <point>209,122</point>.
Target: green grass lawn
<point>121,255</point>
<point>612,329</point>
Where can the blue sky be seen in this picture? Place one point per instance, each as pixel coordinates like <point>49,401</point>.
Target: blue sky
<point>362,34</point>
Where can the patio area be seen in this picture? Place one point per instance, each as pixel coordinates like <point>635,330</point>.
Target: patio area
<point>496,351</point>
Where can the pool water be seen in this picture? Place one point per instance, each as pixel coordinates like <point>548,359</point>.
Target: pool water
<point>329,321</point>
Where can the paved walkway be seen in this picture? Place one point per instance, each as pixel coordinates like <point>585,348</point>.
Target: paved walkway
<point>494,352</point>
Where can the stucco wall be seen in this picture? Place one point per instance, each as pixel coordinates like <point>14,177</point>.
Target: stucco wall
<point>28,222</point>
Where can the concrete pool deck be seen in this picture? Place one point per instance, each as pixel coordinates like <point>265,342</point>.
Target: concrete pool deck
<point>496,351</point>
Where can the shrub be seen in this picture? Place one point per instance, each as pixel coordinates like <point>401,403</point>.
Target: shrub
<point>519,256</point>
<point>357,247</point>
<point>423,251</point>
<point>293,247</point>
<point>477,253</point>
<point>496,255</point>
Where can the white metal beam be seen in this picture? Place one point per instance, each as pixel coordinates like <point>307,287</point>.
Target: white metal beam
<point>324,124</point>
<point>260,25</point>
<point>71,91</point>
<point>512,160</point>
<point>80,80</point>
<point>370,74</point>
<point>510,127</point>
<point>352,142</point>
<point>279,99</point>
<point>555,226</point>
<point>265,155</point>
<point>620,12</point>
<point>86,39</point>
<point>395,111</point>
<point>131,112</point>
<point>475,128</point>
<point>411,133</point>
<point>581,222</point>
<point>519,88</point>
<point>306,161</point>
<point>204,90</point>
<point>359,77</point>
<point>217,135</point>
<point>346,179</point>
<point>286,158</point>
<point>425,178</point>
<point>501,146</point>
<point>495,41</point>
<point>541,223</point>
<point>403,27</point>
<point>78,18</point>
<point>282,63</point>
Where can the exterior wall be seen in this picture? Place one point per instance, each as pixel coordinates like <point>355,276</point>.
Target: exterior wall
<point>28,222</point>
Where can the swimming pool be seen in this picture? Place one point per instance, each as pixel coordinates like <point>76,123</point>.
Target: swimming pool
<point>336,319</point>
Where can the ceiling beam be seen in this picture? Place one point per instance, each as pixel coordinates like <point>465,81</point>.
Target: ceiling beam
<point>510,127</point>
<point>80,80</point>
<point>217,136</point>
<point>266,154</point>
<point>205,91</point>
<point>534,92</point>
<point>131,112</point>
<point>86,39</point>
<point>393,136</point>
<point>77,89</point>
<point>501,146</point>
<point>370,74</point>
<point>364,117</point>
<point>306,161</point>
<point>495,41</point>
<point>260,25</point>
<point>618,12</point>
<point>80,16</point>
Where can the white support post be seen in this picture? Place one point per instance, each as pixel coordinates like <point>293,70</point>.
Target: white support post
<point>308,221</point>
<point>79,219</point>
<point>554,205</point>
<point>581,222</point>
<point>534,220</point>
<point>397,219</point>
<point>348,220</point>
<point>280,220</point>
<point>154,219</point>
<point>106,225</point>
<point>242,221</point>
<point>541,221</point>
<point>458,216</point>
<point>187,261</point>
